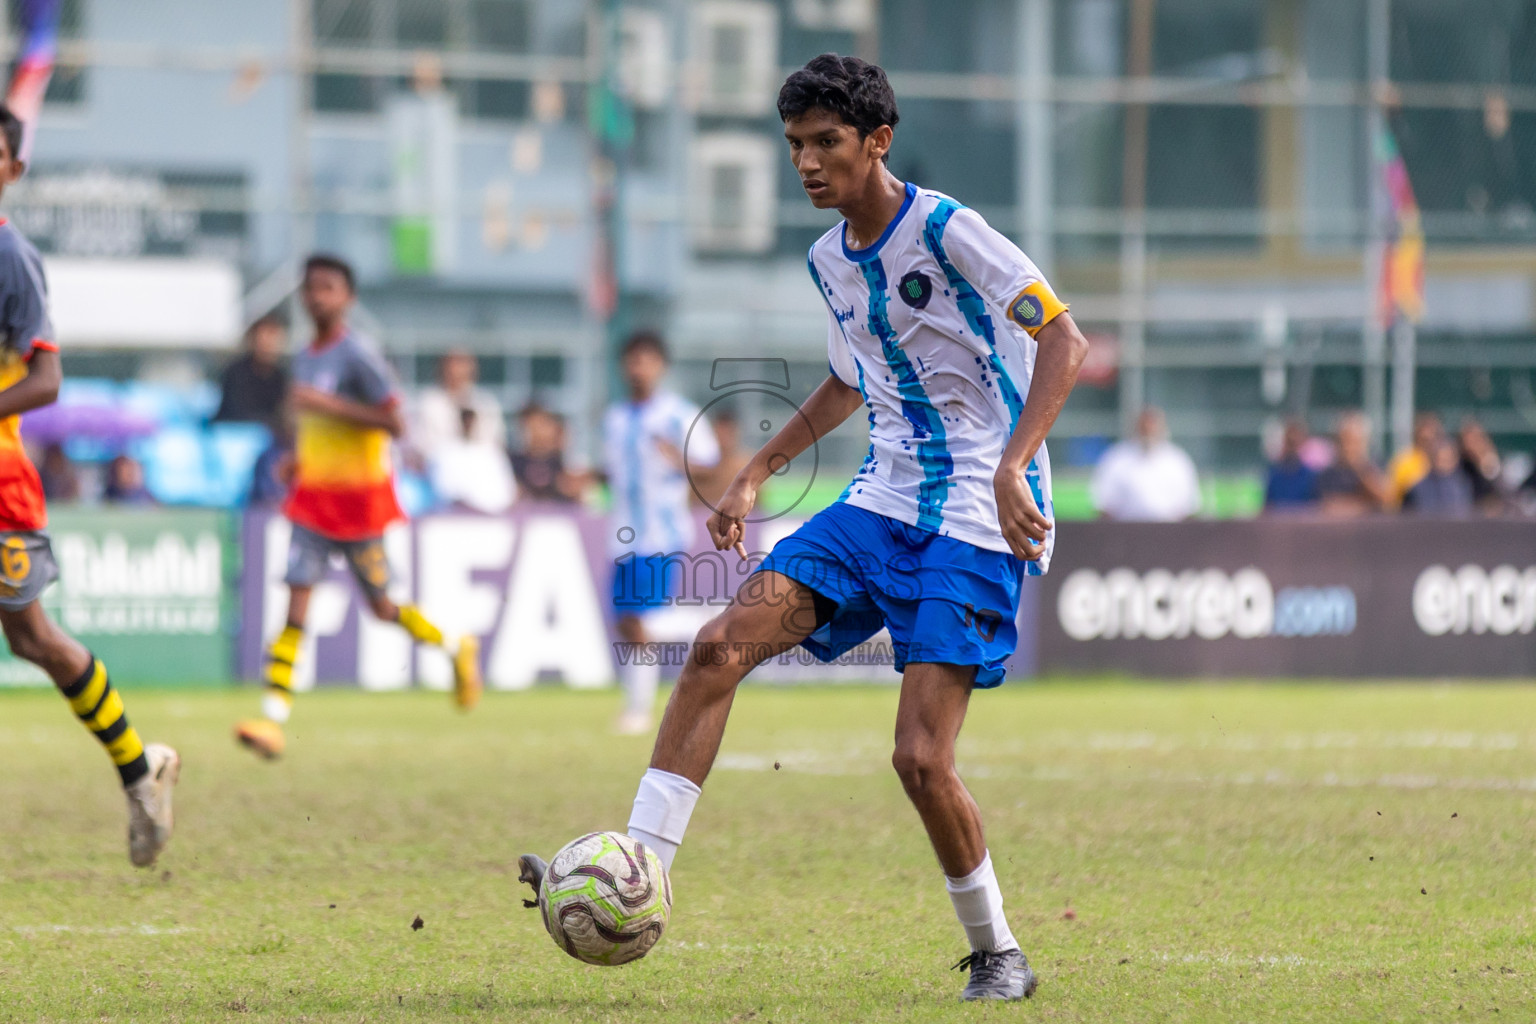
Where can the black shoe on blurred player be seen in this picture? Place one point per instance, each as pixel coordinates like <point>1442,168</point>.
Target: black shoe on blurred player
<point>1004,975</point>
<point>531,869</point>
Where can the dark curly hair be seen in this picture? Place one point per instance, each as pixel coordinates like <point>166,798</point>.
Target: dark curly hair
<point>325,261</point>
<point>856,91</point>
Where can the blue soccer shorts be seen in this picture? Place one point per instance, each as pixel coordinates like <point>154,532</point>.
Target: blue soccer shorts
<point>642,584</point>
<point>942,600</point>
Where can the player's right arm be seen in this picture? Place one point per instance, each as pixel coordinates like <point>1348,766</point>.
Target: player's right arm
<point>384,415</point>
<point>24,319</point>
<point>829,405</point>
<point>38,388</point>
<point>378,403</point>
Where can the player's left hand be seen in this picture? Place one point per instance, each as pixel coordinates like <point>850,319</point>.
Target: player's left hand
<point>1024,525</point>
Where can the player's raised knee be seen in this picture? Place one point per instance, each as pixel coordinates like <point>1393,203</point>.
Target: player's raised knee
<point>28,644</point>
<point>712,644</point>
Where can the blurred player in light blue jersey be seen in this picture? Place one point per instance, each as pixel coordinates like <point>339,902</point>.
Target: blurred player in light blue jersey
<point>644,438</point>
<point>961,356</point>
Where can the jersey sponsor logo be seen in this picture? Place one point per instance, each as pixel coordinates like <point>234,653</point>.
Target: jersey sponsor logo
<point>1027,310</point>
<point>915,289</point>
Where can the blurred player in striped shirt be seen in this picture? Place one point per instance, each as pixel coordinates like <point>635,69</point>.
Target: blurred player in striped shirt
<point>347,406</point>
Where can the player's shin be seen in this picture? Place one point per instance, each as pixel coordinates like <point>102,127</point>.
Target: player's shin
<point>663,805</point>
<point>978,901</point>
<point>277,702</point>
<point>98,705</point>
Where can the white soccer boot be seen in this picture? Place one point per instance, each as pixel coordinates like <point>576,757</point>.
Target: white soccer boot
<point>149,805</point>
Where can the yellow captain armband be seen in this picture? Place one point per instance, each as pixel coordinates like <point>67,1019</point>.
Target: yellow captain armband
<point>1034,307</point>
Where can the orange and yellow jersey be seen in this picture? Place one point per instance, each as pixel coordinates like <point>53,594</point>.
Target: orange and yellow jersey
<point>343,481</point>
<point>24,328</point>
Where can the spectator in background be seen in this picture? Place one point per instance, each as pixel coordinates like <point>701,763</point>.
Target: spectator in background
<point>273,472</point>
<point>255,384</point>
<point>1412,464</point>
<point>1481,463</point>
<point>538,463</point>
<point>125,483</point>
<point>1353,485</point>
<point>1147,478</point>
<point>1445,491</point>
<point>439,409</point>
<point>1291,484</point>
<point>710,482</point>
<point>472,472</point>
<point>61,481</point>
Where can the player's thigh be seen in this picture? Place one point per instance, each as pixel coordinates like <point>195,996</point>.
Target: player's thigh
<point>769,614</point>
<point>27,567</point>
<point>309,557</point>
<point>631,628</point>
<point>931,709</point>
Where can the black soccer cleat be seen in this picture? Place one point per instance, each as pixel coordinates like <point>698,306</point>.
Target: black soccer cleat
<point>1004,975</point>
<point>531,868</point>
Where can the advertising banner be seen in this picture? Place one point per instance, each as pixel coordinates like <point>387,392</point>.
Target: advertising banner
<point>148,590</point>
<point>534,585</point>
<point>1277,597</point>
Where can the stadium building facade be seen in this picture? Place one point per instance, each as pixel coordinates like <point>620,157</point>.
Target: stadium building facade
<point>1205,181</point>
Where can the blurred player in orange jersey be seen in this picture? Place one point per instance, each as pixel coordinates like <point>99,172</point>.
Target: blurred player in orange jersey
<point>29,378</point>
<point>347,407</point>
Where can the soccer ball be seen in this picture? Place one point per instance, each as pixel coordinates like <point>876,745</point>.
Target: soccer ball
<point>605,899</point>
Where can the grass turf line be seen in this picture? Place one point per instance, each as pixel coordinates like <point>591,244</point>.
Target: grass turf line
<point>1227,853</point>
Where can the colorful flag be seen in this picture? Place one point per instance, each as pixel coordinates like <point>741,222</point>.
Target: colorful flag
<point>34,66</point>
<point>1402,271</point>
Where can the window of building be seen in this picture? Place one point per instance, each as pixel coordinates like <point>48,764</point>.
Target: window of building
<point>1475,162</point>
<point>736,52</point>
<point>733,174</point>
<point>491,27</point>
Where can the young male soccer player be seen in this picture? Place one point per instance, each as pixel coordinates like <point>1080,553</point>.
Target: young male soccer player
<point>347,407</point>
<point>29,378</point>
<point>644,439</point>
<point>954,343</point>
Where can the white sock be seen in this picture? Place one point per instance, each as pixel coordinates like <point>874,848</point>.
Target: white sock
<point>978,901</point>
<point>639,683</point>
<point>275,707</point>
<point>663,806</point>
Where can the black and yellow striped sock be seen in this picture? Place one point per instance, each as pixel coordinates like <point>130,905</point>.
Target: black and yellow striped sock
<point>98,705</point>
<point>420,628</point>
<point>281,655</point>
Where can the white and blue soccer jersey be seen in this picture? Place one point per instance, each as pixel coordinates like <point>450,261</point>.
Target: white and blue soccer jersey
<point>934,323</point>
<point>643,445</point>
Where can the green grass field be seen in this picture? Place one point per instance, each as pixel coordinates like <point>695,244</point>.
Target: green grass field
<point>1228,853</point>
